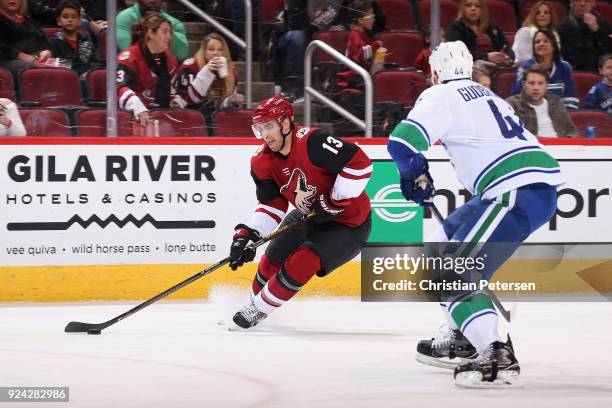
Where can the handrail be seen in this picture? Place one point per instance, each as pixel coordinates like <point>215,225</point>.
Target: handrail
<point>111,69</point>
<point>309,91</point>
<point>246,45</point>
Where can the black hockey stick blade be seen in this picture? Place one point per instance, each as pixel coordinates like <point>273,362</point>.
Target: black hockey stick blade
<point>89,328</point>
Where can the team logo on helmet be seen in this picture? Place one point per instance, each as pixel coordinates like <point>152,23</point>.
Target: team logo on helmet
<point>303,192</point>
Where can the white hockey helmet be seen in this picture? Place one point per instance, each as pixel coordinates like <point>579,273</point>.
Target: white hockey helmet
<point>451,60</point>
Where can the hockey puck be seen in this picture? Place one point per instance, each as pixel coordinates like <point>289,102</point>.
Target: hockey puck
<point>94,331</point>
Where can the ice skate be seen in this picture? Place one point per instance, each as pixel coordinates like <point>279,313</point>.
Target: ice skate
<point>448,350</point>
<point>248,316</point>
<point>498,367</point>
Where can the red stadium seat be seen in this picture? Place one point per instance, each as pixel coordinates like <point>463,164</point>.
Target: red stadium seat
<point>583,82</point>
<point>502,83</point>
<point>526,5</point>
<point>502,13</point>
<point>398,14</point>
<point>605,9</point>
<point>448,12</point>
<point>7,86</point>
<point>50,86</point>
<point>96,84</point>
<point>268,10</point>
<point>402,47</point>
<point>233,122</point>
<point>49,31</point>
<point>45,122</point>
<point>336,39</point>
<point>92,123</point>
<point>180,122</point>
<point>600,120</point>
<point>399,86</point>
<point>510,38</point>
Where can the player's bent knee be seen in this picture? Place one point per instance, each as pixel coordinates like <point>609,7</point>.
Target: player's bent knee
<point>302,264</point>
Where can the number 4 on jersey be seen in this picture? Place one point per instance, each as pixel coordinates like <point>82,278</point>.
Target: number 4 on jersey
<point>515,130</point>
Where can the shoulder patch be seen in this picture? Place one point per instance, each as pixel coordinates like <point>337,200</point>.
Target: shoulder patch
<point>302,132</point>
<point>125,55</point>
<point>259,150</point>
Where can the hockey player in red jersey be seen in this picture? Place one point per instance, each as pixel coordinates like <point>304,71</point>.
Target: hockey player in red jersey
<point>313,171</point>
<point>145,69</point>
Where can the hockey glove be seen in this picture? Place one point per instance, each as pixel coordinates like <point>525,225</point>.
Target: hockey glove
<point>326,208</point>
<point>239,253</point>
<point>419,190</point>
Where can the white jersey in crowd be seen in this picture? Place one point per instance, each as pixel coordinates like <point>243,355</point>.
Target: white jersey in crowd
<point>489,148</point>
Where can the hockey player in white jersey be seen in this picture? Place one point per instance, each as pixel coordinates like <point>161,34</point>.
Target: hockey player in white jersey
<point>513,181</point>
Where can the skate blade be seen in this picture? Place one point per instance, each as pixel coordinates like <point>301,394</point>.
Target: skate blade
<point>473,379</point>
<point>445,363</point>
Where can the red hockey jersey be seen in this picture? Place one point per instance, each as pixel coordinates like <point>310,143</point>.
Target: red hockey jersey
<point>183,83</point>
<point>318,163</point>
<point>360,50</point>
<point>136,76</point>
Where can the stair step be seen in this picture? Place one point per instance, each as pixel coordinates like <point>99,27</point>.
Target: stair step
<point>199,29</point>
<point>241,67</point>
<point>261,90</point>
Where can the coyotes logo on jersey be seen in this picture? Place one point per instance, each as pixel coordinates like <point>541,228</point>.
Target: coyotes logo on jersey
<point>303,192</point>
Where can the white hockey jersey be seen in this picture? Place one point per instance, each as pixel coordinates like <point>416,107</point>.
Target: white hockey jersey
<point>489,148</point>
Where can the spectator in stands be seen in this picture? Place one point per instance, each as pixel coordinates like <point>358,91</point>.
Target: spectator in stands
<point>481,77</point>
<point>22,42</point>
<point>359,48</point>
<point>546,55</point>
<point>344,22</point>
<point>422,60</point>
<point>600,95</point>
<point>129,16</point>
<point>482,37</point>
<point>10,121</point>
<point>207,82</point>
<point>71,43</point>
<point>541,112</point>
<point>145,69</point>
<point>542,16</point>
<point>585,36</point>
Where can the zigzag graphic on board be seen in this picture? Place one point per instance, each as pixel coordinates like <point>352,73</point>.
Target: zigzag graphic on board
<point>111,219</point>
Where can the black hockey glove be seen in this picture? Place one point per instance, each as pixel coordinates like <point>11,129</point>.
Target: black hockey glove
<point>239,253</point>
<point>326,208</point>
<point>419,190</point>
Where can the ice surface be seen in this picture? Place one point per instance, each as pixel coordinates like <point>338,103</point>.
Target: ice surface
<point>311,353</point>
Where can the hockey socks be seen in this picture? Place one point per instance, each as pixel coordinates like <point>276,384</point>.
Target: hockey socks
<point>476,317</point>
<point>267,269</point>
<point>299,267</point>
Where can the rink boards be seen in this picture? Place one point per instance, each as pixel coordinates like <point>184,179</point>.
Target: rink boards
<point>86,219</point>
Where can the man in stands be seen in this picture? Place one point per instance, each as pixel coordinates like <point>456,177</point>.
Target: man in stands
<point>541,112</point>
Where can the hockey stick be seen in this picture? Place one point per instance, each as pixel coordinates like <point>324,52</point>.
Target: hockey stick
<point>96,328</point>
<point>505,313</point>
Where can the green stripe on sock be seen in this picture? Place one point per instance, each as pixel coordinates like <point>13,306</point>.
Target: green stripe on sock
<point>473,305</point>
<point>411,134</point>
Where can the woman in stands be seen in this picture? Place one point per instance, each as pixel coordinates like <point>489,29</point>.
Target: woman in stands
<point>542,16</point>
<point>22,42</point>
<point>546,53</point>
<point>10,121</point>
<point>483,38</point>
<point>207,82</point>
<point>145,69</point>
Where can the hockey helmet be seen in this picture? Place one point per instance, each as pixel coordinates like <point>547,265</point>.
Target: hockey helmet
<point>275,108</point>
<point>451,60</point>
